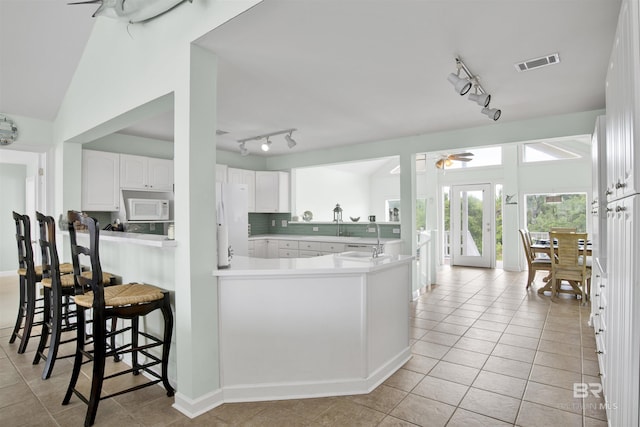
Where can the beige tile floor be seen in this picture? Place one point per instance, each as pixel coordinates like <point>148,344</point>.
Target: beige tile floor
<point>485,352</point>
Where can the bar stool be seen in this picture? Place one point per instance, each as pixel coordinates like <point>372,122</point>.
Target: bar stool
<point>29,275</point>
<point>59,291</point>
<point>129,301</point>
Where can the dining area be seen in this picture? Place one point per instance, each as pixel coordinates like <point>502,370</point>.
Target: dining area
<point>565,255</point>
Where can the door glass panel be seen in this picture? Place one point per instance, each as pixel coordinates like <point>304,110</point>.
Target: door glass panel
<point>470,243</point>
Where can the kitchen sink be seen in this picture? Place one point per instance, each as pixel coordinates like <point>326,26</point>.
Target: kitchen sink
<point>360,256</point>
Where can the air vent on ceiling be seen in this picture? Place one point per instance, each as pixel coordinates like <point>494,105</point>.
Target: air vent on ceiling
<point>543,61</point>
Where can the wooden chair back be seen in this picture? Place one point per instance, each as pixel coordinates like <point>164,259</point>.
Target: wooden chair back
<point>50,260</point>
<point>94,280</point>
<point>570,260</point>
<point>526,244</point>
<point>564,229</point>
<point>23,239</point>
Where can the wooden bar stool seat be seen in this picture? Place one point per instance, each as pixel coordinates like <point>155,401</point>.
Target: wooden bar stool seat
<point>129,301</point>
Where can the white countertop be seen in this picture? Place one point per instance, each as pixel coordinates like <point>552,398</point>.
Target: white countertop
<point>321,265</point>
<point>155,240</point>
<point>332,239</point>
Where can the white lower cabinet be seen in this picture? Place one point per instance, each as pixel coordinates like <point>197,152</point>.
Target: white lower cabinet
<point>270,248</point>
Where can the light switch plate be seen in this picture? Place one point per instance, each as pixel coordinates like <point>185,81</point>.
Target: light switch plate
<point>315,228</point>
<point>371,229</point>
<point>396,231</point>
<point>273,222</point>
<point>284,223</point>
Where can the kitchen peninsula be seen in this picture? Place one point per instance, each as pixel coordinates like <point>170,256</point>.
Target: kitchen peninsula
<point>302,327</point>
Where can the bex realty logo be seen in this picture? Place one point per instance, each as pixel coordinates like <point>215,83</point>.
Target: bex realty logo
<point>582,390</point>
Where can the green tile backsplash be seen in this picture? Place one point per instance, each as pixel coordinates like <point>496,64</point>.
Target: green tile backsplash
<point>261,223</point>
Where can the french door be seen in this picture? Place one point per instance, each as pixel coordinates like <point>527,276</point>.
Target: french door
<point>472,225</point>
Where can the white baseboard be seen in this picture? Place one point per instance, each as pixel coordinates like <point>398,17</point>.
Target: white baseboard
<point>195,407</point>
<point>304,390</point>
<point>284,391</point>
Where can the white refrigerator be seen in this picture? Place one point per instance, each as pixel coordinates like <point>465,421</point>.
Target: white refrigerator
<point>232,221</point>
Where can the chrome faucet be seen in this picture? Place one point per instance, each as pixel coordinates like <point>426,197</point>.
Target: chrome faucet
<point>377,250</point>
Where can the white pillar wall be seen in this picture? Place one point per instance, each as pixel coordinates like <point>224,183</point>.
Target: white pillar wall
<point>408,196</point>
<point>511,214</point>
<point>196,290</point>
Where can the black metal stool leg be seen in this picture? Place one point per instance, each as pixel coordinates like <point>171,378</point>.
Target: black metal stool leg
<point>77,361</point>
<point>46,325</point>
<point>99,356</point>
<point>134,345</point>
<point>168,331</point>
<point>29,315</point>
<point>21,309</point>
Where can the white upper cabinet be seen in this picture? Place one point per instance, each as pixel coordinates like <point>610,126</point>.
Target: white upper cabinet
<point>221,173</point>
<point>145,173</point>
<point>272,191</point>
<point>623,105</point>
<point>244,176</point>
<point>100,181</point>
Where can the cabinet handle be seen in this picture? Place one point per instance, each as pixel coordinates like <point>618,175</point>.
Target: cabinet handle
<point>597,295</point>
<point>608,192</point>
<point>609,209</point>
<point>601,308</point>
<point>599,352</point>
<point>602,286</point>
<point>620,208</point>
<point>620,185</point>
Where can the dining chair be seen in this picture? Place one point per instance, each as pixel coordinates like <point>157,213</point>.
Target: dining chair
<point>130,301</point>
<point>534,263</point>
<point>570,262</point>
<point>564,229</point>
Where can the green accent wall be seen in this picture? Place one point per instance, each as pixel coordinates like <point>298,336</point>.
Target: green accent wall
<point>12,189</point>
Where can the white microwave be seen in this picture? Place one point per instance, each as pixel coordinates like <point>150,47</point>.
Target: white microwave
<point>148,210</point>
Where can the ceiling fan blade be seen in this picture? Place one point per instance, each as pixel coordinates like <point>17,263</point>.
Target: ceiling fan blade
<point>464,154</point>
<point>462,159</point>
<point>85,2</point>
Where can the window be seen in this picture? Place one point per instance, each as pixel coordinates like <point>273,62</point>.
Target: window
<point>557,149</point>
<point>490,156</point>
<point>555,210</point>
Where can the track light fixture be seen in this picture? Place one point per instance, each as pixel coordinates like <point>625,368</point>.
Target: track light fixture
<point>492,113</point>
<point>479,95</point>
<point>266,144</point>
<point>290,141</point>
<point>461,85</point>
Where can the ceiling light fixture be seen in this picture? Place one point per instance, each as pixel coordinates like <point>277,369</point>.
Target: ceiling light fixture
<point>461,85</point>
<point>132,11</point>
<point>479,95</point>
<point>290,141</point>
<point>266,144</point>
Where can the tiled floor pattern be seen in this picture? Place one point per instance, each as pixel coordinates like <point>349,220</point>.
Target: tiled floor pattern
<point>485,352</point>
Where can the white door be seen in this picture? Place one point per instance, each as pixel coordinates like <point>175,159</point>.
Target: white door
<point>472,230</point>
<point>30,209</point>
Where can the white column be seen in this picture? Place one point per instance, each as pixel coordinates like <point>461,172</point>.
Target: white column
<point>408,210</point>
<point>196,290</point>
<point>511,214</point>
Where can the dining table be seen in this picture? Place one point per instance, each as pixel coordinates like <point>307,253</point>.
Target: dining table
<point>543,246</point>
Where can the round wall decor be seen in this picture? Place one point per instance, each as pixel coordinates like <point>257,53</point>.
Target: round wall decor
<point>8,130</point>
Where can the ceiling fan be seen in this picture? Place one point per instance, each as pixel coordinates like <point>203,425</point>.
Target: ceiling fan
<point>447,160</point>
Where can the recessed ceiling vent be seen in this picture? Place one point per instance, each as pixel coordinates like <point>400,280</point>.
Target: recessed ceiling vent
<point>543,61</point>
